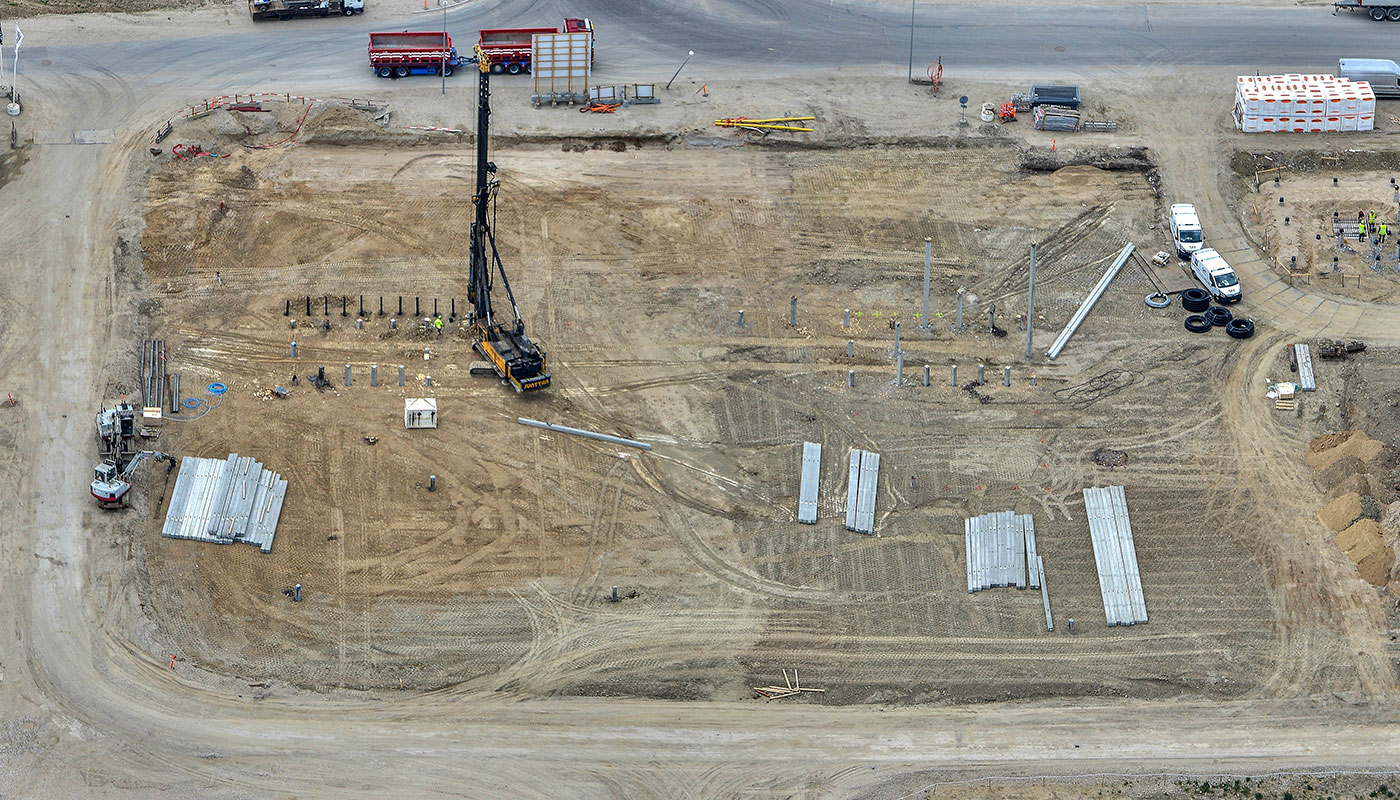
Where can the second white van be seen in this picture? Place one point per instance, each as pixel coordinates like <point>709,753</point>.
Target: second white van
<point>1186,228</point>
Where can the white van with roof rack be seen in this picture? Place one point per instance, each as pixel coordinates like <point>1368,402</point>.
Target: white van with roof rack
<point>1186,228</point>
<point>1216,274</point>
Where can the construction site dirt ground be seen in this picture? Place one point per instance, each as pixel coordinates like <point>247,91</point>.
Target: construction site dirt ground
<point>630,263</point>
<point>1289,200</point>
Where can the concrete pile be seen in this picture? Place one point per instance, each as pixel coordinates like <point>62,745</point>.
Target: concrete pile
<point>225,501</point>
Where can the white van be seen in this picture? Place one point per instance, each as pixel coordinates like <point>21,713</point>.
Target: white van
<point>1211,269</point>
<point>1186,228</point>
<point>1382,73</point>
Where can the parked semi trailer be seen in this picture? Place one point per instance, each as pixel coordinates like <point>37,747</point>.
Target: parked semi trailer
<point>511,49</point>
<point>398,55</point>
<point>286,9</point>
<point>1375,10</point>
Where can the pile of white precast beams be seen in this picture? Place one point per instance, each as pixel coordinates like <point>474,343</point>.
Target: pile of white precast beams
<point>1115,555</point>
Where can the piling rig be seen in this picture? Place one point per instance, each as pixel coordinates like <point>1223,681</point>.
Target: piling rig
<point>512,355</point>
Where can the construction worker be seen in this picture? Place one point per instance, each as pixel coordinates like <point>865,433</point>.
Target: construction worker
<point>437,323</point>
<point>1381,230</point>
<point>1361,231</point>
<point>1371,218</point>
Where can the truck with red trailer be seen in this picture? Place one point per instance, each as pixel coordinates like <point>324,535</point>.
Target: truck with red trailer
<point>511,49</point>
<point>398,55</point>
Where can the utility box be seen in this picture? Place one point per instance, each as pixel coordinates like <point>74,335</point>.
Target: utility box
<point>419,412</point>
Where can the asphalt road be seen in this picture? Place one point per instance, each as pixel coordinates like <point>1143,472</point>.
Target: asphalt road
<point>125,725</point>
<point>739,37</point>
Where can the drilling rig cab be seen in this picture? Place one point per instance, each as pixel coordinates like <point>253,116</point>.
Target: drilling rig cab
<point>503,343</point>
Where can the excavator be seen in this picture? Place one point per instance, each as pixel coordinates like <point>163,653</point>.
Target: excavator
<point>512,355</point>
<point>110,483</point>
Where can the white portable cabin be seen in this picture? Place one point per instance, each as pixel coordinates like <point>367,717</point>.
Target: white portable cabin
<point>419,412</point>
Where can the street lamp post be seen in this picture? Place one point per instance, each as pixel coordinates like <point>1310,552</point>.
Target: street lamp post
<point>443,71</point>
<point>911,41</point>
<point>681,67</point>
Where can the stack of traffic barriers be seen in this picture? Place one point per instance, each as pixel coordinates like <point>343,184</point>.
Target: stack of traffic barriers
<point>1296,103</point>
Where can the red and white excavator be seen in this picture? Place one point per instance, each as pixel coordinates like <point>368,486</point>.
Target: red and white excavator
<point>110,483</point>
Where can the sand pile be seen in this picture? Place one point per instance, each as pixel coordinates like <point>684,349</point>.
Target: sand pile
<point>1340,463</point>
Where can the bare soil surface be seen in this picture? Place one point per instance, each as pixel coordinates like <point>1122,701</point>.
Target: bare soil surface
<point>633,241</point>
<point>630,263</point>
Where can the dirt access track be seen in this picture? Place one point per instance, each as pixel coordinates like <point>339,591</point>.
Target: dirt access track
<point>630,263</point>
<point>485,600</point>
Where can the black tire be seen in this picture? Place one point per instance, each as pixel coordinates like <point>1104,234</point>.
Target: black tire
<point>401,72</point>
<point>447,70</point>
<point>1198,324</point>
<point>513,68</point>
<point>1195,300</point>
<point>497,69</point>
<point>348,12</point>
<point>1219,316</point>
<point>385,72</point>
<point>1393,14</point>
<point>1378,14</point>
<point>1240,328</point>
<point>1157,300</point>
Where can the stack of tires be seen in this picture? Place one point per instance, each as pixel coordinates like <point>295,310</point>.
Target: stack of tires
<point>1204,316</point>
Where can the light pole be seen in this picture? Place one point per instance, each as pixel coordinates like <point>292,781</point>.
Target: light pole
<point>681,67</point>
<point>443,71</point>
<point>911,41</point>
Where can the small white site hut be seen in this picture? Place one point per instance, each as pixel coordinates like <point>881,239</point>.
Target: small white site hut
<point>419,412</point>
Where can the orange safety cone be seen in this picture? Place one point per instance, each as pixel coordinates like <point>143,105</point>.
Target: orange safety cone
<point>172,662</point>
<point>704,90</point>
<point>1052,145</point>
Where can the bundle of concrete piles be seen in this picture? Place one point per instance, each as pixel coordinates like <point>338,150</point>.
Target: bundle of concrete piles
<point>225,501</point>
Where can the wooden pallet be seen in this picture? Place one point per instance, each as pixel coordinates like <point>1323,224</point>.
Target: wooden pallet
<point>1286,405</point>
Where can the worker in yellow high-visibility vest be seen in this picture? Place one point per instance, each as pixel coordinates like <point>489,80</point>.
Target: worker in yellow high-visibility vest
<point>437,323</point>
<point>1361,231</point>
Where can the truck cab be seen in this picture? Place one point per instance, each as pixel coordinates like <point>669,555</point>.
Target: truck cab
<point>1186,228</point>
<point>1216,275</point>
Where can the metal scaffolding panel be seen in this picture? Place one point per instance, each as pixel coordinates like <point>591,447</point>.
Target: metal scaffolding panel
<point>811,477</point>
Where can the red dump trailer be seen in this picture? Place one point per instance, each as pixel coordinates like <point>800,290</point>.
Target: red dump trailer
<point>510,48</point>
<point>398,55</point>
